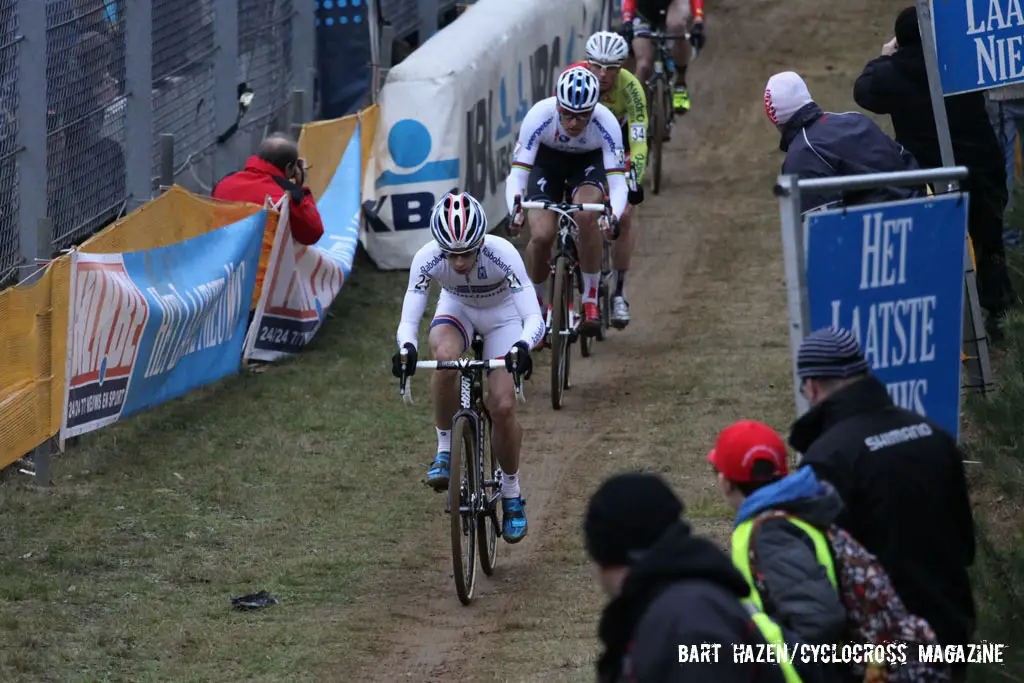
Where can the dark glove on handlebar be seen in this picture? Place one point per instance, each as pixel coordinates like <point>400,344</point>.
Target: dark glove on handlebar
<point>410,362</point>
<point>697,37</point>
<point>636,196</point>
<point>523,360</point>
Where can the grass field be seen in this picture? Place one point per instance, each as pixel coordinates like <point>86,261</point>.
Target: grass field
<point>996,440</point>
<point>304,479</point>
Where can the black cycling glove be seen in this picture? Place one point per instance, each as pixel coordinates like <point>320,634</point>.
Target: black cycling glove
<point>626,31</point>
<point>522,360</point>
<point>410,362</point>
<point>697,37</point>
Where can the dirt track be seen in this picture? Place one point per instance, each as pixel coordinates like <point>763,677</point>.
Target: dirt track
<point>707,345</point>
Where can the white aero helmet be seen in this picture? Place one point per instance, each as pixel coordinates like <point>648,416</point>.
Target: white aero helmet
<point>458,223</point>
<point>607,47</point>
<point>578,90</point>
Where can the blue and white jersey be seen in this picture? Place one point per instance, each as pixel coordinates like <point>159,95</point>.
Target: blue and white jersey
<point>498,277</point>
<point>542,126</point>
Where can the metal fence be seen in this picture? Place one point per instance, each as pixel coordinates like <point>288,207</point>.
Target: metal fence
<point>80,140</point>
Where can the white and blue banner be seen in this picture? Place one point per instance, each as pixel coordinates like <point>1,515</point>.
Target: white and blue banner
<point>148,326</point>
<point>979,43</point>
<point>303,281</point>
<point>892,274</point>
<point>450,114</point>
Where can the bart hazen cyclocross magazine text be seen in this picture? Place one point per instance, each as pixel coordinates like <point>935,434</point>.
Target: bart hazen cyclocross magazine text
<point>849,653</point>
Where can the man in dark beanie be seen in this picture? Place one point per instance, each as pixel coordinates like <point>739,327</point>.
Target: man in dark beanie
<point>671,592</point>
<point>896,84</point>
<point>900,475</point>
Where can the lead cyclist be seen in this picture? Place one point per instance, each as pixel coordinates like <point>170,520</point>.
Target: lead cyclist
<point>680,16</point>
<point>623,94</point>
<point>569,142</point>
<point>484,287</point>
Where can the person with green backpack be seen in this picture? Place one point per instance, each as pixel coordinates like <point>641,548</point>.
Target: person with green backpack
<point>808,575</point>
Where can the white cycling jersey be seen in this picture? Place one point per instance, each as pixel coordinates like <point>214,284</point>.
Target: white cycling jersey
<point>542,126</point>
<point>498,278</point>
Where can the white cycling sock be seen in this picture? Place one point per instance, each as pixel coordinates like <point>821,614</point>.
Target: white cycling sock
<point>590,284</point>
<point>444,440</point>
<point>509,485</point>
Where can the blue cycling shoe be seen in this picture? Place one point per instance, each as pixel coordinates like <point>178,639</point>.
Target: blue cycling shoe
<point>513,519</point>
<point>437,475</point>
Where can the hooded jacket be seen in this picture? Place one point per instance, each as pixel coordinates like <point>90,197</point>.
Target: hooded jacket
<point>797,593</point>
<point>822,144</point>
<point>682,591</point>
<point>897,85</point>
<point>901,478</point>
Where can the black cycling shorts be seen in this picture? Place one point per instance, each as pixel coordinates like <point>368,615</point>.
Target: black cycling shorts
<point>555,172</point>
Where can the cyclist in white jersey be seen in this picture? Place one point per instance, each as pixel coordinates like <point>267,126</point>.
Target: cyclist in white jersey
<point>484,287</point>
<point>569,141</point>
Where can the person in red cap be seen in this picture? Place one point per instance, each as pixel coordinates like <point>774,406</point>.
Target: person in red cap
<point>777,553</point>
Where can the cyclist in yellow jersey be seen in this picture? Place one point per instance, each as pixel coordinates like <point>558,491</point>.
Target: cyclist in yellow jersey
<point>624,95</point>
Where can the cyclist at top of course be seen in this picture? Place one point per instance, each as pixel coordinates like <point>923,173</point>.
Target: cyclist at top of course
<point>680,16</point>
<point>623,94</point>
<point>569,142</point>
<point>484,287</point>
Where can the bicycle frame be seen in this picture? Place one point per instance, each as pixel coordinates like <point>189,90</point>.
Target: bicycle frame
<point>567,239</point>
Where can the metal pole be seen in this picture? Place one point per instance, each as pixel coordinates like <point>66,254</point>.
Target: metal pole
<point>788,191</point>
<point>931,61</point>
<point>138,123</point>
<point>41,454</point>
<point>866,181</point>
<point>166,161</point>
<point>31,114</point>
<point>975,342</point>
<point>298,112</point>
<point>226,61</point>
<point>428,13</point>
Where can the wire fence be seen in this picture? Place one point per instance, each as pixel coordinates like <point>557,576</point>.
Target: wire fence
<point>80,140</point>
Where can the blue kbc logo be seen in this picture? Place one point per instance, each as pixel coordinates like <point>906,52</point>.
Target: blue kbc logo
<point>409,145</point>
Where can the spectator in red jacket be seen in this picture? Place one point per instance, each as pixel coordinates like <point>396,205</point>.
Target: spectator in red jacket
<point>275,170</point>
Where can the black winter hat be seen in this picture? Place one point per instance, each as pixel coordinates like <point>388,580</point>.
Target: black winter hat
<point>907,31</point>
<point>627,515</point>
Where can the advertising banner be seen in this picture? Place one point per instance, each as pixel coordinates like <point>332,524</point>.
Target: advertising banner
<point>451,111</point>
<point>979,43</point>
<point>891,274</point>
<point>303,281</point>
<point>148,326</point>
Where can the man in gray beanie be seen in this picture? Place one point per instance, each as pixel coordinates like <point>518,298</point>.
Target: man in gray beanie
<point>671,592</point>
<point>900,475</point>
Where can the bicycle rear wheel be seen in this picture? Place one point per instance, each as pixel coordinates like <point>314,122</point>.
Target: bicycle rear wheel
<point>657,113</point>
<point>490,488</point>
<point>559,324</point>
<point>462,485</point>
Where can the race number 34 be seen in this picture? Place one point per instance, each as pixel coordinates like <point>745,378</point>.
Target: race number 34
<point>637,133</point>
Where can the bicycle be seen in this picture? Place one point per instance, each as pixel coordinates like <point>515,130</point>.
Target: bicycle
<point>565,289</point>
<point>660,89</point>
<point>476,495</point>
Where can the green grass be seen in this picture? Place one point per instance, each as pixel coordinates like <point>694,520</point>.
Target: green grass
<point>995,438</point>
<point>287,480</point>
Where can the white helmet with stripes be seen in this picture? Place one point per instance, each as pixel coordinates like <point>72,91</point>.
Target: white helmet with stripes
<point>607,47</point>
<point>578,90</point>
<point>458,223</point>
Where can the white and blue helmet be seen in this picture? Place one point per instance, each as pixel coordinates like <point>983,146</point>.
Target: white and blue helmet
<point>578,90</point>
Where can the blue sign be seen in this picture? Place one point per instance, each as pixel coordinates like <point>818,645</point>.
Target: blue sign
<point>199,292</point>
<point>979,43</point>
<point>892,274</point>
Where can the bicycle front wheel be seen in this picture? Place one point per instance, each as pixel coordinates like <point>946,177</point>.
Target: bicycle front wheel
<point>559,326</point>
<point>490,489</point>
<point>463,490</point>
<point>657,113</point>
